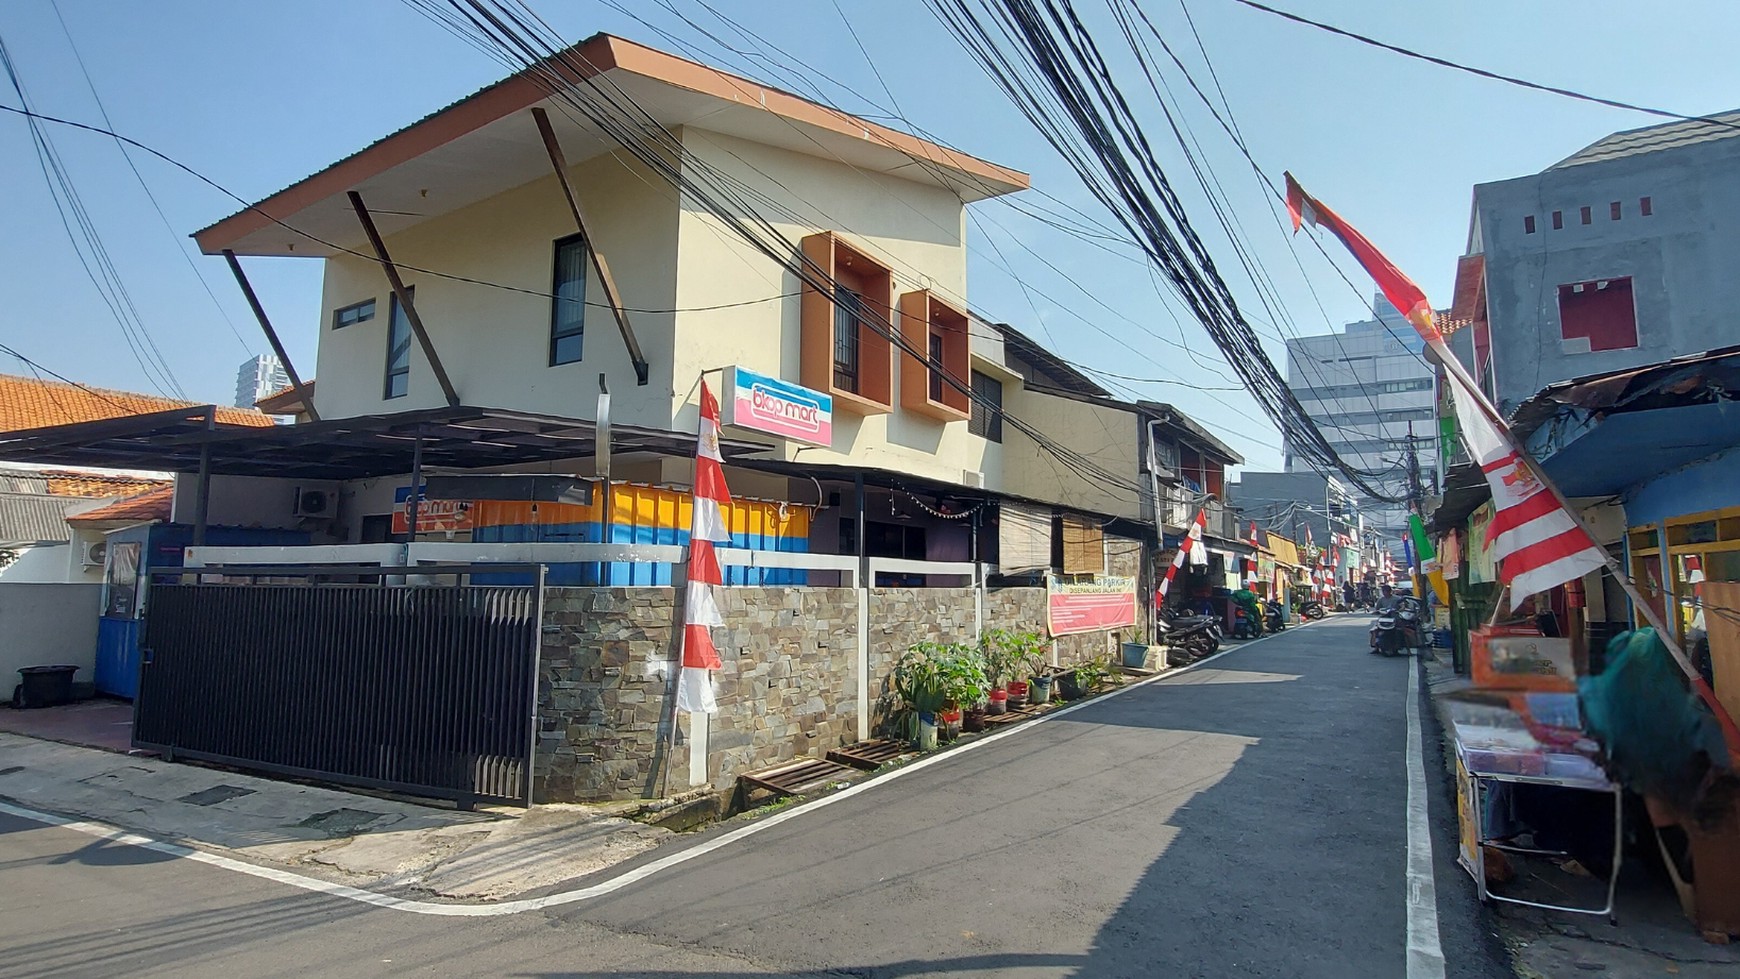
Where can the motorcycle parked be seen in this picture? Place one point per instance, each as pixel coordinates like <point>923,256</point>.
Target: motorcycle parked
<point>1189,638</point>
<point>1399,629</point>
<point>1274,618</point>
<point>1313,610</point>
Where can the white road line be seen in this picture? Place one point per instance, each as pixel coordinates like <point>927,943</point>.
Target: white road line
<point>1425,954</point>
<point>622,880</point>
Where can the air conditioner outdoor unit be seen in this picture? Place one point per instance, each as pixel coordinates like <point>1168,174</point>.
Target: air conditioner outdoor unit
<point>93,553</point>
<point>313,503</point>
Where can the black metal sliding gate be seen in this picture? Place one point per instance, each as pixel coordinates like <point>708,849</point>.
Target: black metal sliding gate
<point>427,689</point>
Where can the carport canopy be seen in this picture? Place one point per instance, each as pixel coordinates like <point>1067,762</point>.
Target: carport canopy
<point>462,438</point>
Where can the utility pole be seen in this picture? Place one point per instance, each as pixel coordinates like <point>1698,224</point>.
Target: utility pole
<point>1416,498</point>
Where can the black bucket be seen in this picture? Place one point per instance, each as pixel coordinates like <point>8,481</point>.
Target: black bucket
<point>44,686</point>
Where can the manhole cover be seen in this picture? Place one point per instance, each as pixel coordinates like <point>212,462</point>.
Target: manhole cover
<point>215,795</point>
<point>340,822</point>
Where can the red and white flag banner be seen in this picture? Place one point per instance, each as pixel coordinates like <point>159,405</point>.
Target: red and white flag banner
<point>1191,551</point>
<point>706,529</point>
<point>1539,544</point>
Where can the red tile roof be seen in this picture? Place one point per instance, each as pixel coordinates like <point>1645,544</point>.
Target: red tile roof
<point>153,505</point>
<point>63,482</point>
<point>26,403</point>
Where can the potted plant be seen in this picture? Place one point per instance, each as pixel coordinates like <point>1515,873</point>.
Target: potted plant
<point>961,674</point>
<point>997,669</point>
<point>1091,674</point>
<point>1135,653</point>
<point>917,679</point>
<point>1027,652</point>
<point>1069,685</point>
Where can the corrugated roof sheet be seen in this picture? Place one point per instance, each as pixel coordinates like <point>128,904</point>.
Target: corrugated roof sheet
<point>34,518</point>
<point>1649,139</point>
<point>153,505</point>
<point>27,403</point>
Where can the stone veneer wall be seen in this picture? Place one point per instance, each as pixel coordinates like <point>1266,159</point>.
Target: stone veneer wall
<point>788,687</point>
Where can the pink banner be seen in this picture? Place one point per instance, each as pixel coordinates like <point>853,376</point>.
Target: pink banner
<point>1103,604</point>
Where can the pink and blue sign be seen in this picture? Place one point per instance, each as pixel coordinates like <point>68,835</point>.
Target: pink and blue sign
<point>767,404</point>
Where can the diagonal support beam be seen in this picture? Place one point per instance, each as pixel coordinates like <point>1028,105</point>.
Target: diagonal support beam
<point>404,297</point>
<point>271,334</point>
<point>599,265</point>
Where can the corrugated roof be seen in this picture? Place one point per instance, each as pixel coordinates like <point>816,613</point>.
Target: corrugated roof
<point>34,518</point>
<point>153,505</point>
<point>27,403</point>
<point>1649,139</point>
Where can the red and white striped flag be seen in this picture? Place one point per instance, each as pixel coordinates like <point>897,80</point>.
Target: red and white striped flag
<point>706,528</point>
<point>1192,550</point>
<point>1539,544</point>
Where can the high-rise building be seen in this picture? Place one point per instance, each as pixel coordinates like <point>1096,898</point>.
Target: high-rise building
<point>1371,391</point>
<point>260,376</point>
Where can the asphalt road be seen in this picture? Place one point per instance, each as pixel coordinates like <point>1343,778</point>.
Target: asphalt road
<point>1244,819</point>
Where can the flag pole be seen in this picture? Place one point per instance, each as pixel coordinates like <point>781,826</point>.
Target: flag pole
<point>1411,301</point>
<point>1650,614</point>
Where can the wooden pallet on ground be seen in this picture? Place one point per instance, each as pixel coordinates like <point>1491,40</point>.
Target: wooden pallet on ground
<point>869,755</point>
<point>1014,714</point>
<point>798,776</point>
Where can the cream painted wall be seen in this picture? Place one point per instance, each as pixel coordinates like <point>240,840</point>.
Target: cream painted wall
<point>1104,434</point>
<point>917,230</point>
<point>494,342</point>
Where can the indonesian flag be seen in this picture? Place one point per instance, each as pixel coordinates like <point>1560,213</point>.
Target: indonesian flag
<point>1538,543</point>
<point>1255,541</point>
<point>1308,541</point>
<point>706,528</point>
<point>1192,551</point>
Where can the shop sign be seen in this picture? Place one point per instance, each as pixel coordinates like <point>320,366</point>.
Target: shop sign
<point>1106,602</point>
<point>767,404</point>
<point>433,516</point>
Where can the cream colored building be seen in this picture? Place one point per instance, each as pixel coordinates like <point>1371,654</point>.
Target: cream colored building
<point>476,220</point>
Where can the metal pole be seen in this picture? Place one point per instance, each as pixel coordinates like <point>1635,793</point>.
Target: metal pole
<point>202,502</point>
<point>411,506</point>
<point>863,557</point>
<point>537,666</point>
<point>553,149</point>
<point>271,335</point>
<point>403,295</point>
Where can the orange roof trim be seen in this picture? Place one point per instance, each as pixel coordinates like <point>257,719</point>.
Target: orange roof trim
<point>522,90</point>
<point>27,403</point>
<point>154,505</point>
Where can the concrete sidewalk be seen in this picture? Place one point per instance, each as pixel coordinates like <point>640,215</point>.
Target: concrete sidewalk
<point>366,841</point>
<point>1652,939</point>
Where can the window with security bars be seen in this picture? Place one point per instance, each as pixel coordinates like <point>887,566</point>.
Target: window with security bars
<point>936,367</point>
<point>848,314</point>
<point>398,377</point>
<point>568,309</point>
<point>987,418</point>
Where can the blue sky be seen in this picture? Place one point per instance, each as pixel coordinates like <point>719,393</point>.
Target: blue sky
<point>257,96</point>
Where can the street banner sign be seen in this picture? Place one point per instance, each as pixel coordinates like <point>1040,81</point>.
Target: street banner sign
<point>1107,602</point>
<point>767,404</point>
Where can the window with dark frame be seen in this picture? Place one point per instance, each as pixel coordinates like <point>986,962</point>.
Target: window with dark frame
<point>936,366</point>
<point>848,314</point>
<point>1528,224</point>
<point>568,308</point>
<point>353,314</point>
<point>398,379</point>
<point>987,418</point>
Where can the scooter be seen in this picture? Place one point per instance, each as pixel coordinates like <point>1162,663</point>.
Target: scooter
<point>1189,638</point>
<point>1398,629</point>
<point>1313,610</point>
<point>1273,620</point>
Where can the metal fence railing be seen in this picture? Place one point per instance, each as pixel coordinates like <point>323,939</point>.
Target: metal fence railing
<point>424,689</point>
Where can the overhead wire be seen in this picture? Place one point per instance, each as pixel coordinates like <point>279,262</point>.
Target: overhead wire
<point>87,244</point>
<point>595,97</point>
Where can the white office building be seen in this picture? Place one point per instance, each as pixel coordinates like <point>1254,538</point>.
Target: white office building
<point>1365,387</point>
<point>259,377</point>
